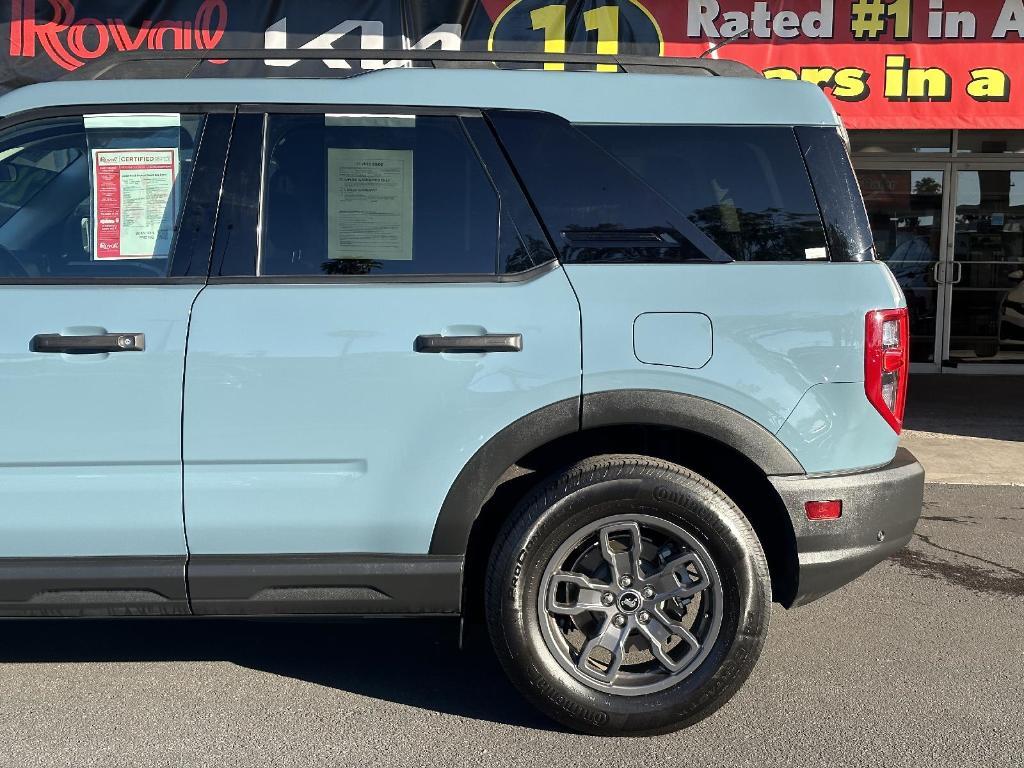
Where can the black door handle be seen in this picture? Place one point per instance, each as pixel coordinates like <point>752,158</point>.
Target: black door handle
<point>88,345</point>
<point>491,342</point>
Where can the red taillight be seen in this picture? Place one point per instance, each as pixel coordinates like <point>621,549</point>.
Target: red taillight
<point>887,363</point>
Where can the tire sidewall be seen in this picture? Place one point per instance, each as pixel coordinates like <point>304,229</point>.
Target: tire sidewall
<point>678,497</point>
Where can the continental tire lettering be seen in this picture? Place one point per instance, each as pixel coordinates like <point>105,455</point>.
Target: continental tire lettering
<point>516,572</point>
<point>662,493</point>
<point>573,708</point>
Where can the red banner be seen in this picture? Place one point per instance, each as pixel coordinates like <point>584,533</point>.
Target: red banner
<point>884,63</point>
<point>902,64</point>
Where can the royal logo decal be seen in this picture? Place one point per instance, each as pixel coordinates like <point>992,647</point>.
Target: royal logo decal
<point>70,42</point>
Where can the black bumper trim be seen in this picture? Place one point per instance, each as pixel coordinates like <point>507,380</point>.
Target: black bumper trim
<point>881,508</point>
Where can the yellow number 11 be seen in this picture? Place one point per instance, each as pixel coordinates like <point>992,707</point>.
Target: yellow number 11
<point>605,20</point>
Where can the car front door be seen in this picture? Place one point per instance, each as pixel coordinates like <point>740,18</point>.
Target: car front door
<point>104,245</point>
<point>328,408</point>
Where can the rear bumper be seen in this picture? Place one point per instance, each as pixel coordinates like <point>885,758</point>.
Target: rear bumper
<point>881,507</point>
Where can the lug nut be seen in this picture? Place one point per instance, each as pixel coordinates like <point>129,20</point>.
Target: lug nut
<point>648,593</point>
<point>607,598</point>
<point>625,582</point>
<point>643,617</point>
<point>619,620</point>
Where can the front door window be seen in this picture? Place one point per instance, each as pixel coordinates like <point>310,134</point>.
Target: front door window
<point>94,197</point>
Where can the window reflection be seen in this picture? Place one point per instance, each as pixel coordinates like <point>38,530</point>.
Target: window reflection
<point>905,210</point>
<point>990,142</point>
<point>95,196</point>
<point>744,188</point>
<point>897,142</point>
<point>987,314</point>
<point>375,194</point>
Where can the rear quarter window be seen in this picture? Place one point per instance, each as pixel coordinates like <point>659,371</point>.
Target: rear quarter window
<point>595,208</point>
<point>746,188</point>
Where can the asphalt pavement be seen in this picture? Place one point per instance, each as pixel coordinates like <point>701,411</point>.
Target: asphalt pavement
<point>919,663</point>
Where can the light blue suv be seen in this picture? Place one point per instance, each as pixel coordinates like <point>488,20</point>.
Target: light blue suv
<point>605,359</point>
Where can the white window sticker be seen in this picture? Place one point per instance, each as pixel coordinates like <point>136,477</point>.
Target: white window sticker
<point>134,202</point>
<point>369,204</point>
<point>815,254</point>
<point>121,120</point>
<point>356,120</point>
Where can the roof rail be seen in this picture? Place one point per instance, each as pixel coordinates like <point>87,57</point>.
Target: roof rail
<point>145,60</point>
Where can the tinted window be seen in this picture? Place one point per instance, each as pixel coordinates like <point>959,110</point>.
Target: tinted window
<point>842,207</point>
<point>745,188</point>
<point>94,197</point>
<point>375,194</point>
<point>236,241</point>
<point>522,242</point>
<point>595,208</point>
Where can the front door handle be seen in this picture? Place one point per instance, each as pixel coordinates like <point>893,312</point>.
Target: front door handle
<point>491,342</point>
<point>88,345</point>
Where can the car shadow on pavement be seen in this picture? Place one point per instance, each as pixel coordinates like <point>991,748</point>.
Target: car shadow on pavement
<point>415,662</point>
<point>966,406</point>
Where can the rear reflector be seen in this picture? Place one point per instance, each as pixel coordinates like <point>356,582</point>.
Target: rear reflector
<point>887,363</point>
<point>824,510</point>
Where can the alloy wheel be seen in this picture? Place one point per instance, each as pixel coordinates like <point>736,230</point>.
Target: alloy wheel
<point>630,604</point>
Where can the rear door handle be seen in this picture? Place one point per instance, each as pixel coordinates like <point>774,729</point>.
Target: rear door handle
<point>88,345</point>
<point>491,342</point>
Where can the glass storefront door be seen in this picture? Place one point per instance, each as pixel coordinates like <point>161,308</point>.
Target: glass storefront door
<point>947,212</point>
<point>986,279</point>
<point>905,207</point>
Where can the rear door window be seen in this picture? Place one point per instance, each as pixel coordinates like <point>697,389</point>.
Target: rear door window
<point>94,196</point>
<point>746,188</point>
<point>357,194</point>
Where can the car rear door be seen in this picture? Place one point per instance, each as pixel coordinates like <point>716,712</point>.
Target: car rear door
<point>105,233</point>
<point>328,408</point>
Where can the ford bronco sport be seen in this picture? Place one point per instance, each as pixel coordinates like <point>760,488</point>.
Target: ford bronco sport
<point>604,358</point>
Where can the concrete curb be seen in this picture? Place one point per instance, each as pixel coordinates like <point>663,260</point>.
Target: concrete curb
<point>962,460</point>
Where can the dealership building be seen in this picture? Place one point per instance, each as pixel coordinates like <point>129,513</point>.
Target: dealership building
<point>930,90</point>
<point>934,99</point>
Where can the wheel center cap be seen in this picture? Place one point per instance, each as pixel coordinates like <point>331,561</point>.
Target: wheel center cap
<point>629,601</point>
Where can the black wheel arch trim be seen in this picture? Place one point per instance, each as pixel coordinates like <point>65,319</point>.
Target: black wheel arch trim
<point>482,473</point>
<point>694,414</point>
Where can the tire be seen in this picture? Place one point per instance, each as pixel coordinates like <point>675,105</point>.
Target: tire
<point>552,588</point>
